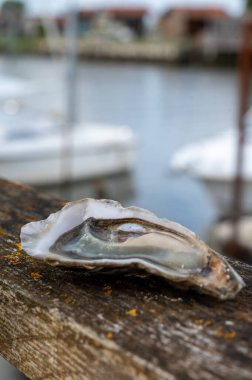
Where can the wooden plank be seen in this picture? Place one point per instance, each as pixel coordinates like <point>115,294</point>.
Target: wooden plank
<point>58,323</point>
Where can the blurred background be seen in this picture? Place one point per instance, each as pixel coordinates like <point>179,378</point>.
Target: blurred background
<point>144,103</point>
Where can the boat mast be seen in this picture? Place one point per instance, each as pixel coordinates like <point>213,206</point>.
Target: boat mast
<point>71,73</point>
<point>244,90</point>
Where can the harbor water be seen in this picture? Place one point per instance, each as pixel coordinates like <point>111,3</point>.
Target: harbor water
<point>167,107</point>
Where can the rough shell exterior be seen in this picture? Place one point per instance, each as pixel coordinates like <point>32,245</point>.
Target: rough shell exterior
<point>102,234</point>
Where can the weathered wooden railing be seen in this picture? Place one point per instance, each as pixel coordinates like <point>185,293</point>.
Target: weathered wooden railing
<point>70,324</point>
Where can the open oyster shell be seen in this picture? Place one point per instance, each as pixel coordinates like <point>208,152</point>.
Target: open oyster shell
<point>101,233</point>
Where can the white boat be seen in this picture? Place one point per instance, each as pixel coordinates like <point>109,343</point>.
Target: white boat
<point>37,156</point>
<point>213,161</point>
<point>13,87</point>
<point>39,150</point>
<point>35,150</point>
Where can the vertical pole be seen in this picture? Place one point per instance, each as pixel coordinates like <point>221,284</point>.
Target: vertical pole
<point>71,73</point>
<point>71,37</point>
<point>244,72</point>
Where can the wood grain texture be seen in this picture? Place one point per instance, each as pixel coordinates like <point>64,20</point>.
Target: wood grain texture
<point>58,323</point>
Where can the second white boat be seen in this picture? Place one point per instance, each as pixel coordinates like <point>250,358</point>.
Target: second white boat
<point>213,161</point>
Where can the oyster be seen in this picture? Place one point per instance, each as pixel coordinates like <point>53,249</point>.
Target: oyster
<point>101,233</point>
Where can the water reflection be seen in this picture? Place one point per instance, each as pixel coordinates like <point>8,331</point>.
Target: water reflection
<point>120,188</point>
<point>165,107</point>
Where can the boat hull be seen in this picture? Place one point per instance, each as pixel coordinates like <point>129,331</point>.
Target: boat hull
<point>86,152</point>
<point>54,170</point>
<point>213,162</point>
<point>222,193</point>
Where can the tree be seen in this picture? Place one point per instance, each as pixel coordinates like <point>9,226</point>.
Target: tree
<point>249,4</point>
<point>13,6</point>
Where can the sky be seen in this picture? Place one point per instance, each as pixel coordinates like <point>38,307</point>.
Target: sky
<point>54,6</point>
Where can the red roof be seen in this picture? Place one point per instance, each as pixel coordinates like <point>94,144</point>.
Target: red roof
<point>198,13</point>
<point>60,20</point>
<point>121,13</point>
<point>127,12</point>
<point>88,13</point>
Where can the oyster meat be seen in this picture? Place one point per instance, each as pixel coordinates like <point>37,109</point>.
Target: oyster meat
<point>101,233</point>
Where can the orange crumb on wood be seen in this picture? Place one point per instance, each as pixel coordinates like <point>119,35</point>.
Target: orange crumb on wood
<point>132,312</point>
<point>18,245</point>
<point>15,262</point>
<point>199,321</point>
<point>203,323</point>
<point>69,301</point>
<point>2,231</point>
<point>36,275</point>
<point>107,290</point>
<point>226,334</point>
<point>109,335</point>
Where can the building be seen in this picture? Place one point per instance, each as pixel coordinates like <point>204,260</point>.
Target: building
<point>189,22</point>
<point>132,18</point>
<point>221,38</point>
<point>12,17</point>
